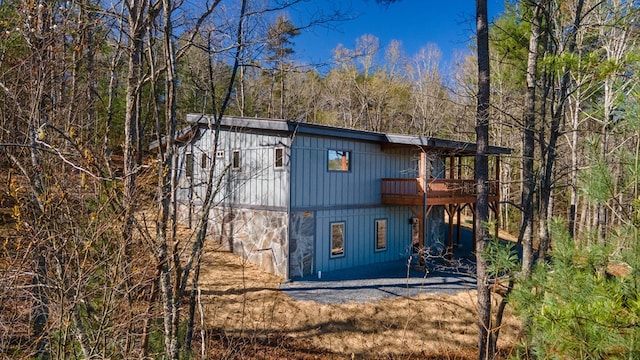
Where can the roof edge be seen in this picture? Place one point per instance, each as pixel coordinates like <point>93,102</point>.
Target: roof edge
<point>293,126</point>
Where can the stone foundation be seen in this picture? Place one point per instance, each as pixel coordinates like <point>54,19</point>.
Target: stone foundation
<point>260,236</point>
<point>301,235</point>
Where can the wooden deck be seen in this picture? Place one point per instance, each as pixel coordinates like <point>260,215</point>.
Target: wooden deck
<point>439,191</point>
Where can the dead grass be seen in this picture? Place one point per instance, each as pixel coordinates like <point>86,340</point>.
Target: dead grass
<point>244,302</point>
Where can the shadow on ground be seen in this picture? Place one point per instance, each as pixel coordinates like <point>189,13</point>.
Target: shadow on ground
<point>402,278</point>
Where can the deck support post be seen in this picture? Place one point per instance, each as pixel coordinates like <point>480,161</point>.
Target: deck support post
<point>458,224</point>
<point>421,194</point>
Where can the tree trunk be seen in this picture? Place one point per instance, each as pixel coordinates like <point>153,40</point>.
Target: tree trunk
<point>574,167</point>
<point>554,132</point>
<point>528,145</point>
<point>132,112</point>
<point>485,348</point>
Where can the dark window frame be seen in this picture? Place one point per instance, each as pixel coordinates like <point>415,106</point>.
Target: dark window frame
<point>337,251</point>
<point>345,159</point>
<point>278,161</point>
<point>204,161</point>
<point>236,160</point>
<point>188,159</point>
<point>377,246</point>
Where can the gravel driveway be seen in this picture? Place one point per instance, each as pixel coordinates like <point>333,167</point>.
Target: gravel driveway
<point>384,281</point>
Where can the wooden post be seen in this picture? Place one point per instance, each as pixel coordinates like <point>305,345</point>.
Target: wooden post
<point>459,208</point>
<point>452,161</point>
<point>450,209</point>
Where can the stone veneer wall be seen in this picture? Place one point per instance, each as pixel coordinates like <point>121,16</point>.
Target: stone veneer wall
<point>260,236</point>
<point>301,237</point>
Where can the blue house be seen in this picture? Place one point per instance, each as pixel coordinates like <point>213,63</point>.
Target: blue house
<point>297,198</point>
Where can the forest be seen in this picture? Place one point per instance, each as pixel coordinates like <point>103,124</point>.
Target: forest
<point>93,263</point>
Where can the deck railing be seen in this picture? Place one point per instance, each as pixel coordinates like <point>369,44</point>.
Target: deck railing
<point>438,190</point>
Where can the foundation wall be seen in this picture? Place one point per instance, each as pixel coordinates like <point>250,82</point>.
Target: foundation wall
<point>260,236</point>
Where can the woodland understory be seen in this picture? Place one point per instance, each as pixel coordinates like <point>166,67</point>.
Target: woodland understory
<point>94,263</point>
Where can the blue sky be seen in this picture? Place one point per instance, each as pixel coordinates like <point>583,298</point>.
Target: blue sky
<point>448,23</point>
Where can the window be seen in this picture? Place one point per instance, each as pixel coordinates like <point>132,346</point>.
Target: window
<point>381,234</point>
<point>204,161</point>
<point>279,158</point>
<point>337,239</point>
<point>189,164</point>
<point>235,161</point>
<point>220,154</point>
<point>339,160</point>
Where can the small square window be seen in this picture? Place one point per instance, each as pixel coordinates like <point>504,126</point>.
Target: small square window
<point>339,160</point>
<point>337,239</point>
<point>189,164</point>
<point>279,158</point>
<point>381,234</point>
<point>220,154</point>
<point>235,161</point>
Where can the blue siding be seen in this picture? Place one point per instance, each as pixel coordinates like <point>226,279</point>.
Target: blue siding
<point>359,247</point>
<point>314,186</point>
<point>306,184</point>
<point>352,197</point>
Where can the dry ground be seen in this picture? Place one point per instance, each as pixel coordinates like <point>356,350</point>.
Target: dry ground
<point>243,302</point>
<point>247,316</point>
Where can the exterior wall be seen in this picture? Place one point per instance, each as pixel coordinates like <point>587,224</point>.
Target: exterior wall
<point>352,197</point>
<point>260,236</point>
<point>251,207</point>
<point>359,242</point>
<point>280,218</point>
<point>257,183</point>
<point>314,186</point>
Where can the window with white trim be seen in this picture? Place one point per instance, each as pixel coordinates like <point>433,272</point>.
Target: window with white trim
<point>235,160</point>
<point>278,154</point>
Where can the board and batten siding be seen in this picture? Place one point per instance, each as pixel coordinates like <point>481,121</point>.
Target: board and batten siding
<point>359,237</point>
<point>257,183</point>
<point>314,186</point>
<point>352,197</point>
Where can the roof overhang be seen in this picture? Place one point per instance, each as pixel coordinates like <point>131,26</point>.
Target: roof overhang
<point>291,127</point>
<point>182,136</point>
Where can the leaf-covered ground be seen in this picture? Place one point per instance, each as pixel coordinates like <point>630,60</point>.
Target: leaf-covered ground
<point>246,316</point>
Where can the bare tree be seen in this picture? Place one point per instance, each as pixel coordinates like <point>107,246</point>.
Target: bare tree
<point>528,142</point>
<point>486,350</point>
<point>430,96</point>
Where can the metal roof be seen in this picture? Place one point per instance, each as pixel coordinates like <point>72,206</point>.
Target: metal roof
<point>297,127</point>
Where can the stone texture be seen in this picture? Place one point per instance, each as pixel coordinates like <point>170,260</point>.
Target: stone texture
<point>301,237</point>
<point>260,236</point>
